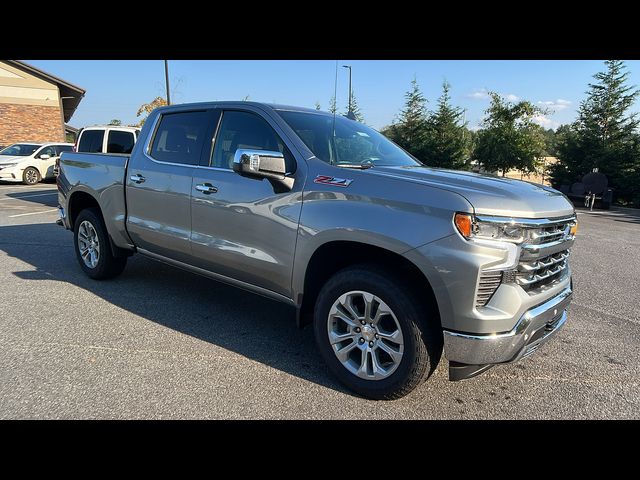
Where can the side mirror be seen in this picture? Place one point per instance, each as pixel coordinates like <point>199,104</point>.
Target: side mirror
<point>262,164</point>
<point>45,157</point>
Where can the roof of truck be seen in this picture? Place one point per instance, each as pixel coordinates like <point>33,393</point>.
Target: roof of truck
<point>273,106</point>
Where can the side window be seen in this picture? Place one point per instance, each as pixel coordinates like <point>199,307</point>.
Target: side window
<point>91,141</point>
<point>46,151</point>
<point>179,137</point>
<point>120,142</point>
<point>63,148</point>
<point>245,130</point>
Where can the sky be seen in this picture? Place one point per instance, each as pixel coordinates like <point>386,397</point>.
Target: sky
<point>116,89</point>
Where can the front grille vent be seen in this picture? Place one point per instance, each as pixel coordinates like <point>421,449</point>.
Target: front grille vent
<point>489,283</point>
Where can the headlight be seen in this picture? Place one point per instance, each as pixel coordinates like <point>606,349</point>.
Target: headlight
<point>471,226</point>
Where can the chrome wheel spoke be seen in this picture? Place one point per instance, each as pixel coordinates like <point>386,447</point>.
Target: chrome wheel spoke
<point>336,312</point>
<point>335,338</point>
<point>392,337</point>
<point>343,353</point>
<point>395,356</point>
<point>348,305</point>
<point>364,363</point>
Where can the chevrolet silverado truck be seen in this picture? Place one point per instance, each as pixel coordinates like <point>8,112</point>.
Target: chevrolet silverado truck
<point>391,261</point>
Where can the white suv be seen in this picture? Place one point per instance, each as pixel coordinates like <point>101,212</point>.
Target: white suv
<point>107,139</point>
<point>30,162</point>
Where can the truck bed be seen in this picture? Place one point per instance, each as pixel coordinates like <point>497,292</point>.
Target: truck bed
<point>103,177</point>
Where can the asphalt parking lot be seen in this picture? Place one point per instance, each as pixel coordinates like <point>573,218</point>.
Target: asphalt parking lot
<point>159,343</point>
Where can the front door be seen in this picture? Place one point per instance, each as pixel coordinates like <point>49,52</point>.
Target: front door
<point>159,181</point>
<point>245,228</point>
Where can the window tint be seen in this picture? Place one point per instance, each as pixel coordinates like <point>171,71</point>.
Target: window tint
<point>46,151</point>
<point>120,142</point>
<point>179,137</point>
<point>63,148</point>
<point>245,130</point>
<point>91,141</point>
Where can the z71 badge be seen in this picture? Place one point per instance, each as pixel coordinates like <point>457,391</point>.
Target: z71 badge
<point>329,180</point>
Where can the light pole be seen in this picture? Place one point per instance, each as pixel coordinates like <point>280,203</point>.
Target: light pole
<point>350,113</point>
<point>166,80</point>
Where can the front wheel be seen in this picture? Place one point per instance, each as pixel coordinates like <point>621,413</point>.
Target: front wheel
<point>31,176</point>
<point>92,246</point>
<point>374,333</point>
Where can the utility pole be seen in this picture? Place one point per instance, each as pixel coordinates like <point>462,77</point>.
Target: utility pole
<point>350,113</point>
<point>166,80</point>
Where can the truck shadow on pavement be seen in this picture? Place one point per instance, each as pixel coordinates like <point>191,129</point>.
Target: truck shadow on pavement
<point>255,327</point>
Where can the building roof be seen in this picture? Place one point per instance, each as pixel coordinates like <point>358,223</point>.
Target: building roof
<point>69,93</point>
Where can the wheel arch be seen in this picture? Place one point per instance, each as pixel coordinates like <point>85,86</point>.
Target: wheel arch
<point>332,256</point>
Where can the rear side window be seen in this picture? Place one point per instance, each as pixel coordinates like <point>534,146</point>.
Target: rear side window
<point>63,148</point>
<point>179,137</point>
<point>120,142</point>
<point>91,141</point>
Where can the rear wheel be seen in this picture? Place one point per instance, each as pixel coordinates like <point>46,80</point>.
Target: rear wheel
<point>92,247</point>
<point>31,176</point>
<point>374,333</point>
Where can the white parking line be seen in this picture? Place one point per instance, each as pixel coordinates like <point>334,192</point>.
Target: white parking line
<point>33,213</point>
<point>29,196</point>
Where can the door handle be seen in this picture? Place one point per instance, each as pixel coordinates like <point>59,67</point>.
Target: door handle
<point>206,188</point>
<point>137,178</point>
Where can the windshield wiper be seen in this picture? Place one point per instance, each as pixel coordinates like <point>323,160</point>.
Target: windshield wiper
<point>359,166</point>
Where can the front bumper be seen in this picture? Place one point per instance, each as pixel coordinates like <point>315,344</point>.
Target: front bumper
<point>535,327</point>
<point>11,174</point>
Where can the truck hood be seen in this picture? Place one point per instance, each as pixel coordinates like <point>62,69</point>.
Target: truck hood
<point>488,194</point>
<point>10,159</point>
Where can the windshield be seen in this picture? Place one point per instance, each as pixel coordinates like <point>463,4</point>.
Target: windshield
<point>353,143</point>
<point>19,149</point>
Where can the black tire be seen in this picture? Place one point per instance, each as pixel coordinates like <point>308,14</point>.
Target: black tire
<point>422,335</point>
<point>107,266</point>
<point>31,176</point>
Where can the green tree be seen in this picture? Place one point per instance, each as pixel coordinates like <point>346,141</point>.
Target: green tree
<point>604,136</point>
<point>333,107</point>
<point>355,108</point>
<point>509,138</point>
<point>410,129</point>
<point>445,140</point>
<point>116,122</point>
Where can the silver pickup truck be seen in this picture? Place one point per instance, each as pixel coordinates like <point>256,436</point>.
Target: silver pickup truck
<point>391,261</point>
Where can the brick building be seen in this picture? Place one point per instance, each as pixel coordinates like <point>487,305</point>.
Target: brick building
<point>34,105</point>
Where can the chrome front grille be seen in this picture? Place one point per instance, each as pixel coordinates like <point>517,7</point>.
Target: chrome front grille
<point>543,271</point>
<point>544,256</point>
<point>543,262</point>
<point>489,283</point>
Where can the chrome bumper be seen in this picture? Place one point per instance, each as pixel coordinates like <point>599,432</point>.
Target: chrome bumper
<point>533,329</point>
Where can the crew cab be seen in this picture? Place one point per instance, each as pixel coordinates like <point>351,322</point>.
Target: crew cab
<point>392,262</point>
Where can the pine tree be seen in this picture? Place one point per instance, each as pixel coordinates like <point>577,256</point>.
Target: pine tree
<point>333,107</point>
<point>509,138</point>
<point>409,131</point>
<point>355,108</point>
<point>604,135</point>
<point>445,142</point>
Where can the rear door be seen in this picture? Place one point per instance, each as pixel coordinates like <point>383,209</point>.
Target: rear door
<point>159,180</point>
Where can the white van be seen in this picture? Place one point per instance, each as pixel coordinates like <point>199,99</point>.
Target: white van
<point>107,139</point>
<point>30,162</point>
